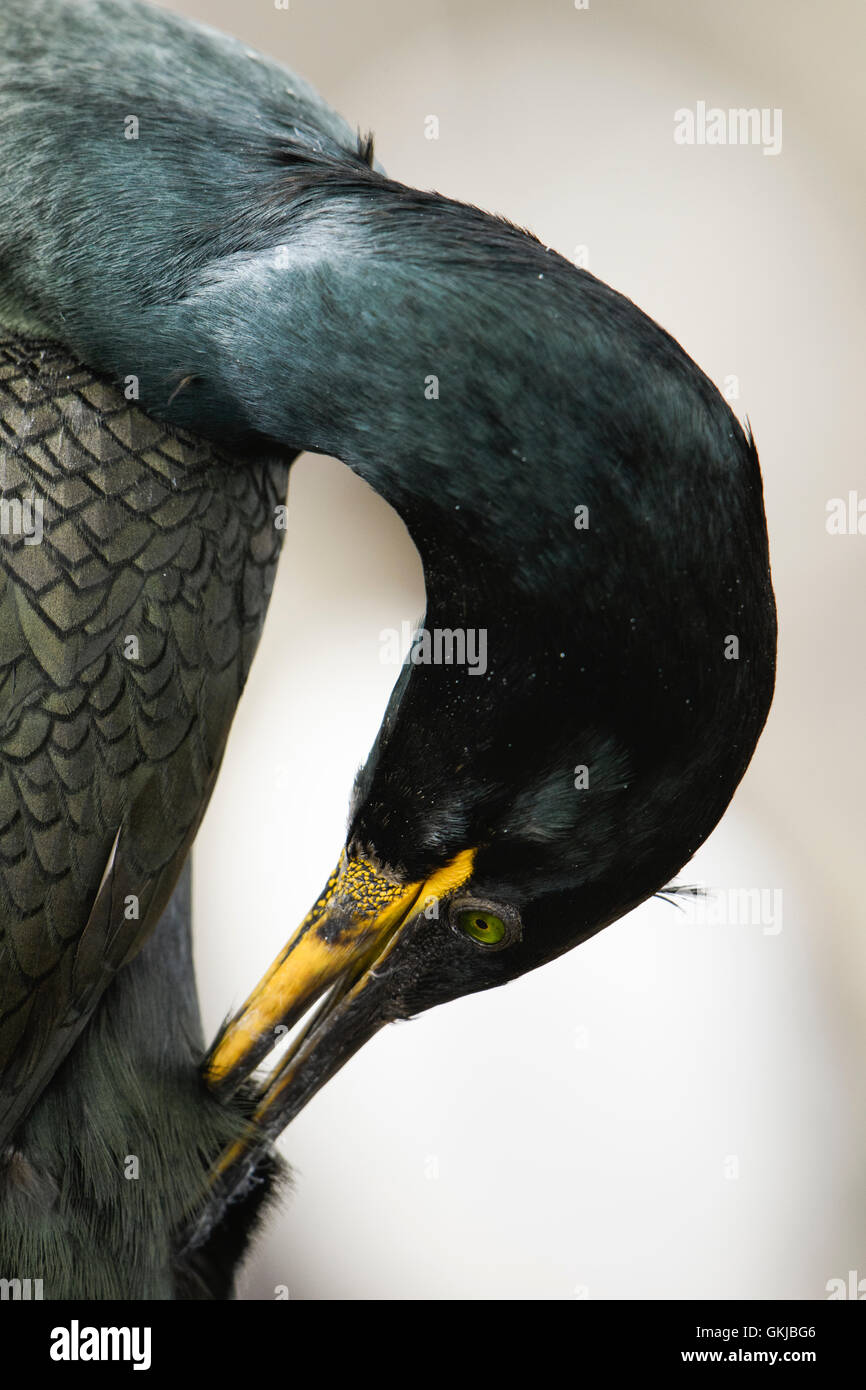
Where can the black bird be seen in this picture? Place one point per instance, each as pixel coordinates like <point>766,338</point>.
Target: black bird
<point>194,224</point>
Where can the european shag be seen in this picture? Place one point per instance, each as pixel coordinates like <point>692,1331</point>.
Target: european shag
<point>203,272</point>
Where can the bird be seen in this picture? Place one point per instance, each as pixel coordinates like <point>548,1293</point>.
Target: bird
<point>228,262</point>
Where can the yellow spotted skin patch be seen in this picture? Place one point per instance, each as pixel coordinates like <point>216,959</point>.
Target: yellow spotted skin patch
<point>362,891</point>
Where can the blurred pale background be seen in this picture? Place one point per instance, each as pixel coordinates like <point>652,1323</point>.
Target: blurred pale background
<point>676,1110</point>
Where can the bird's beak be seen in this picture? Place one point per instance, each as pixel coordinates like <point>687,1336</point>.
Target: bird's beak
<point>342,946</point>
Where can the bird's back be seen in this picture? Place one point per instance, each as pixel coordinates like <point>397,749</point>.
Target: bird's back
<point>135,568</point>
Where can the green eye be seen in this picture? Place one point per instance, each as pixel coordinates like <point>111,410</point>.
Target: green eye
<point>482,926</point>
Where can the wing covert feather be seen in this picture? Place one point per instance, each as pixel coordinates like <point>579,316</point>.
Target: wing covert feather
<point>137,564</point>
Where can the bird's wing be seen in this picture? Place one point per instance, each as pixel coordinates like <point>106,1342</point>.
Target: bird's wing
<point>137,563</point>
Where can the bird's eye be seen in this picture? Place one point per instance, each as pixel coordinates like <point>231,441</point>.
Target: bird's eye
<point>488,924</point>
<point>484,927</point>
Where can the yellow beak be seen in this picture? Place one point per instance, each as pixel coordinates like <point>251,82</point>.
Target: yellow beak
<point>353,926</point>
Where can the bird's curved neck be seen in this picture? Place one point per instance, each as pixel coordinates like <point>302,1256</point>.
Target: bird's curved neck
<point>422,375</point>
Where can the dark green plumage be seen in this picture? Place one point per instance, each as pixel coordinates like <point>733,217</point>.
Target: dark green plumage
<point>112,1162</point>
<point>125,638</point>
